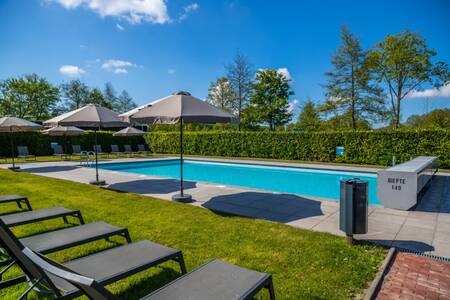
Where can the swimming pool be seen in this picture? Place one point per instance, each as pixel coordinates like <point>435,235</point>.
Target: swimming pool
<point>302,181</point>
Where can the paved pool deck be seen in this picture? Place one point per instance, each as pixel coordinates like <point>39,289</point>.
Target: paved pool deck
<point>426,229</point>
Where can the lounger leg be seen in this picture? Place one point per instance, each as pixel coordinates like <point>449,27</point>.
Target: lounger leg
<point>127,236</point>
<point>19,204</point>
<point>25,294</point>
<point>27,203</point>
<point>65,219</point>
<point>180,260</point>
<point>80,217</point>
<point>271,290</point>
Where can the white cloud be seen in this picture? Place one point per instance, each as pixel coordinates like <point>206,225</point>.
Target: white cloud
<point>188,10</point>
<point>133,11</point>
<point>442,92</point>
<point>72,71</point>
<point>120,71</point>
<point>118,66</point>
<point>285,73</point>
<point>171,71</point>
<point>120,27</point>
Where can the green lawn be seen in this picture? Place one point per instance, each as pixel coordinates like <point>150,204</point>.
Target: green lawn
<point>305,264</point>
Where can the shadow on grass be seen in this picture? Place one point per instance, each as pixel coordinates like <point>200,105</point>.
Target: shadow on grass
<point>269,206</point>
<point>408,245</point>
<point>151,186</point>
<point>149,283</point>
<point>50,169</point>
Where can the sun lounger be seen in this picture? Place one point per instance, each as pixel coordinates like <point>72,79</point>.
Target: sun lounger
<point>33,216</point>
<point>73,236</point>
<point>106,267</point>
<point>76,150</point>
<point>115,150</point>
<point>141,149</point>
<point>58,151</point>
<point>99,149</point>
<point>24,153</point>
<point>16,198</point>
<point>129,150</point>
<point>214,280</point>
<point>53,241</point>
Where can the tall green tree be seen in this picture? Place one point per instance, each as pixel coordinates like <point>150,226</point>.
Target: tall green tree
<point>96,97</point>
<point>74,94</point>
<point>124,103</point>
<point>29,96</point>
<point>350,89</point>
<point>309,117</point>
<point>403,63</point>
<point>438,118</point>
<point>269,98</point>
<point>109,95</point>
<point>240,75</point>
<point>220,94</point>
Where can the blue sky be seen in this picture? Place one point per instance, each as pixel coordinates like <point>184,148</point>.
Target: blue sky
<point>163,46</point>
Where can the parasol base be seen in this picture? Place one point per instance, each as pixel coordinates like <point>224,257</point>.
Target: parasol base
<point>97,182</point>
<point>185,198</point>
<point>15,168</point>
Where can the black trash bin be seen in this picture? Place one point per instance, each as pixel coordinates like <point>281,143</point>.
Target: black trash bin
<point>353,207</point>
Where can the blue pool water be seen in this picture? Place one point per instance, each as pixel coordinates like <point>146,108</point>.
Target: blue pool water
<point>310,182</point>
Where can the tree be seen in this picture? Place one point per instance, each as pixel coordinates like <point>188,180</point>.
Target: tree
<point>220,94</point>
<point>270,98</point>
<point>350,88</point>
<point>124,103</point>
<point>438,118</point>
<point>75,94</point>
<point>96,97</point>
<point>239,74</point>
<point>30,96</point>
<point>403,63</point>
<point>345,122</point>
<point>309,118</point>
<point>109,95</point>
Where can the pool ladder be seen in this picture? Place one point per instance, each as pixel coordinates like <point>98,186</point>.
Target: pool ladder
<point>85,158</point>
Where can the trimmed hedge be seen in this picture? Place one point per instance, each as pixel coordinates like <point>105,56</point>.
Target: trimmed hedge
<point>39,144</point>
<point>361,147</point>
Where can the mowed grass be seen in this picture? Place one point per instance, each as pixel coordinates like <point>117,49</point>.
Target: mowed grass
<point>304,264</point>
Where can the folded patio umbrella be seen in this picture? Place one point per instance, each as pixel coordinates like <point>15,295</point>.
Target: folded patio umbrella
<point>89,116</point>
<point>13,124</point>
<point>178,108</point>
<point>129,131</point>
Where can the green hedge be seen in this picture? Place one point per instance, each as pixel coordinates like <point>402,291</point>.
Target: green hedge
<point>361,147</point>
<point>39,144</point>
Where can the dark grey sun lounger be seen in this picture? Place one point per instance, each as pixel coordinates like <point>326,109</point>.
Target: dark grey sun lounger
<point>26,217</point>
<point>16,198</point>
<point>214,280</point>
<point>67,238</point>
<point>106,267</point>
<point>115,150</point>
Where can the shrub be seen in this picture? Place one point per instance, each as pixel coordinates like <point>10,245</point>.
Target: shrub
<point>361,147</point>
<point>39,144</point>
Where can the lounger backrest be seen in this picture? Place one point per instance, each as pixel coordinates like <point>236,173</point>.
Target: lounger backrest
<point>14,249</point>
<point>127,148</point>
<point>23,150</point>
<point>114,148</point>
<point>76,149</point>
<point>92,289</point>
<point>98,148</point>
<point>58,149</point>
<point>141,147</point>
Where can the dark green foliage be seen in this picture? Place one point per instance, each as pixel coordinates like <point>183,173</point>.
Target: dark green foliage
<point>39,144</point>
<point>361,147</point>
